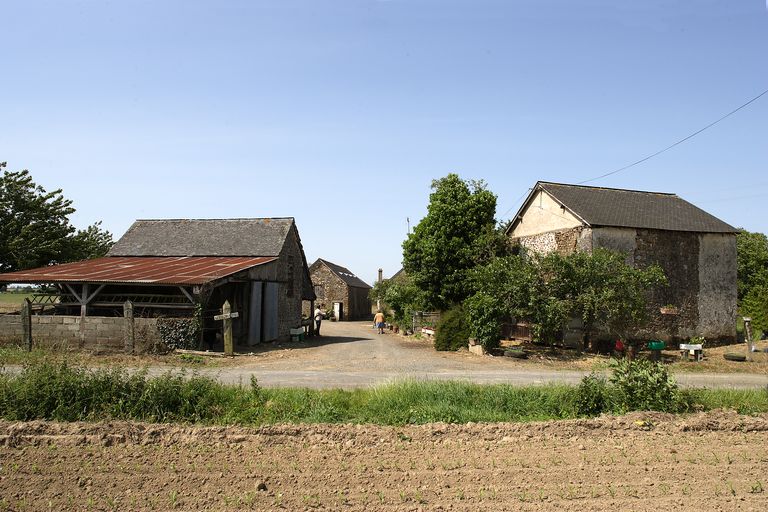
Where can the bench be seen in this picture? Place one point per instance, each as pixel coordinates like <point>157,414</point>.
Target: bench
<point>691,349</point>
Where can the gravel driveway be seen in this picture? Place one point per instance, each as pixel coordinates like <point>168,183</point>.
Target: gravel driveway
<point>352,354</point>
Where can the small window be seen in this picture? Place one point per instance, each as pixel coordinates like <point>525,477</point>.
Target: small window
<point>319,291</point>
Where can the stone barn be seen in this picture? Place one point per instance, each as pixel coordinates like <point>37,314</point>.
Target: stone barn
<point>174,268</point>
<point>696,250</point>
<point>339,289</point>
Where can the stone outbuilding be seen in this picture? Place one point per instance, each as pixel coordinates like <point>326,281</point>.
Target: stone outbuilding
<point>174,268</point>
<point>696,250</point>
<point>338,289</point>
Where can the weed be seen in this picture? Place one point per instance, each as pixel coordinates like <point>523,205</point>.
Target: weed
<point>173,499</point>
<point>61,392</point>
<point>757,487</point>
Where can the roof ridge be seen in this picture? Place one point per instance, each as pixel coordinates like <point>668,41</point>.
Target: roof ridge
<point>607,188</point>
<point>218,219</point>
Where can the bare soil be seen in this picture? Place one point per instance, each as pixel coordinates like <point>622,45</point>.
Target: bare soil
<point>646,461</point>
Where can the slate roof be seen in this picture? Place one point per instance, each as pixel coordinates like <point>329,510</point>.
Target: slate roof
<point>204,237</point>
<point>345,274</point>
<point>611,207</point>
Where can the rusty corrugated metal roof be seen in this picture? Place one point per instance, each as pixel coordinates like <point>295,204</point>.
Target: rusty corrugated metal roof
<point>139,270</point>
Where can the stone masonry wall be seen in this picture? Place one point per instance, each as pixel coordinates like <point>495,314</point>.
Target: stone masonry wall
<point>564,241</point>
<point>330,287</point>
<point>700,269</point>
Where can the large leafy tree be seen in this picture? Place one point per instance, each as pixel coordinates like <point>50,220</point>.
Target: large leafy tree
<point>752,261</point>
<point>549,290</point>
<point>752,257</point>
<point>35,228</point>
<point>458,232</point>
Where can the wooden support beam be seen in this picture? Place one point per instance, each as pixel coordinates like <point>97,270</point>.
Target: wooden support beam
<point>90,297</point>
<point>187,294</point>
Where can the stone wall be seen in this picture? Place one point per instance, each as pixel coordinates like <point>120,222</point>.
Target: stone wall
<point>331,288</point>
<point>564,241</point>
<point>700,269</point>
<point>701,274</point>
<point>98,334</point>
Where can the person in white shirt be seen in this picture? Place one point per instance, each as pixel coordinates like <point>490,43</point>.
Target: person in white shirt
<point>318,319</point>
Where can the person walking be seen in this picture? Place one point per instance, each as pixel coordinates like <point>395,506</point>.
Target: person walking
<point>318,319</point>
<point>378,321</point>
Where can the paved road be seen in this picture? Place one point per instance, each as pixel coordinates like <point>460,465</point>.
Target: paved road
<point>352,354</point>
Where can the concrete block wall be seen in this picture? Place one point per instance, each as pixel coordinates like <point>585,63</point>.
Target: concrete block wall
<point>99,334</point>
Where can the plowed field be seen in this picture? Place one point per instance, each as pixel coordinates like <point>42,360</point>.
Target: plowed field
<point>712,461</point>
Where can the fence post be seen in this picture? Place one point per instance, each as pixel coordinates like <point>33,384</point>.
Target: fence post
<point>228,345</point>
<point>26,324</point>
<point>748,336</point>
<point>129,329</point>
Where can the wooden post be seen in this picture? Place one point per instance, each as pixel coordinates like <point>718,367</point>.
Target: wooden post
<point>26,324</point>
<point>129,329</point>
<point>748,336</point>
<point>226,309</point>
<point>311,318</point>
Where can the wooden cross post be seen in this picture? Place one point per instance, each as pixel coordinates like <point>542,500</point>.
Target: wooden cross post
<point>227,316</point>
<point>748,336</point>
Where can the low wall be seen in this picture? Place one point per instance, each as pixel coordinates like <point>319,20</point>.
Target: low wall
<point>98,334</point>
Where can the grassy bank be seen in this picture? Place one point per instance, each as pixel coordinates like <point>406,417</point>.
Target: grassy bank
<point>67,393</point>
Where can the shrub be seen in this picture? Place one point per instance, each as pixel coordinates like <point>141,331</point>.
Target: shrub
<point>485,313</point>
<point>181,333</point>
<point>593,397</point>
<point>452,330</point>
<point>642,385</point>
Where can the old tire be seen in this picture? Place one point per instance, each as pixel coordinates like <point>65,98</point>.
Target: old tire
<point>730,356</point>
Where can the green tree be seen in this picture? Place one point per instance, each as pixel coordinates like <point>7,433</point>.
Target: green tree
<point>549,290</point>
<point>34,226</point>
<point>400,297</point>
<point>458,231</point>
<point>91,242</point>
<point>604,290</point>
<point>752,261</point>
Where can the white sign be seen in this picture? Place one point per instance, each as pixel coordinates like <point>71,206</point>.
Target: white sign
<point>226,316</point>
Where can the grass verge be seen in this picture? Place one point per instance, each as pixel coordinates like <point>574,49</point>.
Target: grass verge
<point>62,392</point>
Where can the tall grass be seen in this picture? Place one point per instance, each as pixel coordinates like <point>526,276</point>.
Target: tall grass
<point>63,392</point>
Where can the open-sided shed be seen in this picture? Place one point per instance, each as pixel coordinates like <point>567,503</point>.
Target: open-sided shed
<point>176,268</point>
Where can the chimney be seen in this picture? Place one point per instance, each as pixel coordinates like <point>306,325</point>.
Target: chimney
<point>381,275</point>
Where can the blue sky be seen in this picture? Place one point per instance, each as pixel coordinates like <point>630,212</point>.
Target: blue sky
<point>341,113</point>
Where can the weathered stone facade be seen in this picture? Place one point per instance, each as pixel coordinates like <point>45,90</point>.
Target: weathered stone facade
<point>330,288</point>
<point>700,269</point>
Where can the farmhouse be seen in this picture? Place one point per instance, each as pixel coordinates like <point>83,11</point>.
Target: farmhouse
<point>696,250</point>
<point>338,288</point>
<point>173,268</point>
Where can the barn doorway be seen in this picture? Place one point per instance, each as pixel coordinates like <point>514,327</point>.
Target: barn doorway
<point>338,311</point>
<point>263,313</point>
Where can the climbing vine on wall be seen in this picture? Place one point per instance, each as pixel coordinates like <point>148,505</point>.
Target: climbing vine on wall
<point>183,333</point>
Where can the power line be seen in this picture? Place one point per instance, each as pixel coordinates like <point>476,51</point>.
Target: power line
<point>514,204</point>
<point>710,125</point>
